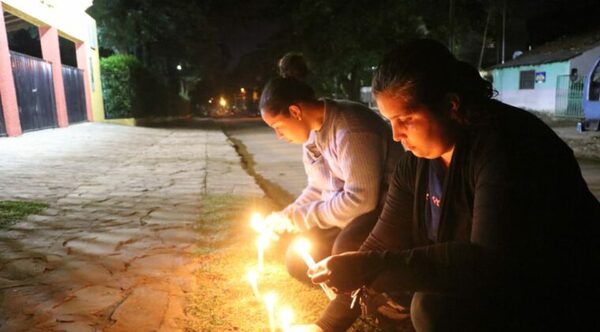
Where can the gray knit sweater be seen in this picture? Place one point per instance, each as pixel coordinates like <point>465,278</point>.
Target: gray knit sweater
<point>348,163</point>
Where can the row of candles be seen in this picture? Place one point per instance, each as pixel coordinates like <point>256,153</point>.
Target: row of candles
<point>285,315</point>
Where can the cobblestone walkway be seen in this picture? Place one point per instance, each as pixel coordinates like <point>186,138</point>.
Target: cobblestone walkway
<point>112,251</point>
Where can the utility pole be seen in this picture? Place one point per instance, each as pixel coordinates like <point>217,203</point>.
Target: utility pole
<point>487,23</point>
<point>503,30</point>
<point>451,26</point>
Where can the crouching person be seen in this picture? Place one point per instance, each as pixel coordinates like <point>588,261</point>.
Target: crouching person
<point>348,155</point>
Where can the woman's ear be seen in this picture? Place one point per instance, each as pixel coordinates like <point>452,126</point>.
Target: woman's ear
<point>295,112</point>
<point>453,102</point>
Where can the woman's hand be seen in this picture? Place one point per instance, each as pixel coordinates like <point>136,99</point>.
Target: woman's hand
<point>348,271</point>
<point>278,223</point>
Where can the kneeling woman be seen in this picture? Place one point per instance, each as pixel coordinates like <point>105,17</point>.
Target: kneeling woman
<point>348,156</point>
<point>488,219</point>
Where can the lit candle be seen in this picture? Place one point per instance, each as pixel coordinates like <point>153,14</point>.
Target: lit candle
<point>270,300</point>
<point>286,318</point>
<point>302,247</point>
<point>261,227</point>
<point>256,222</point>
<point>252,276</point>
<point>262,243</point>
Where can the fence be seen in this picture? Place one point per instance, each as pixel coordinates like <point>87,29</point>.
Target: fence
<point>569,96</point>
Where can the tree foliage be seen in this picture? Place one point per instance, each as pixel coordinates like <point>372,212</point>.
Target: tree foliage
<point>345,39</point>
<point>118,84</point>
<point>341,40</point>
<point>161,33</point>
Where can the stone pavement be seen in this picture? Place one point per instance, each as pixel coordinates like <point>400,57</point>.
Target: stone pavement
<point>113,250</point>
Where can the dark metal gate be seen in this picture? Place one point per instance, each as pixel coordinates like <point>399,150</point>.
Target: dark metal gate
<point>35,92</point>
<point>74,93</point>
<point>569,96</point>
<point>2,126</point>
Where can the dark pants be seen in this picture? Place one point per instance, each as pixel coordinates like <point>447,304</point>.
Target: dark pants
<point>436,312</point>
<point>331,241</point>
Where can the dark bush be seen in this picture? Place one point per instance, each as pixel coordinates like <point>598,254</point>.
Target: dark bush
<point>119,86</point>
<point>131,90</point>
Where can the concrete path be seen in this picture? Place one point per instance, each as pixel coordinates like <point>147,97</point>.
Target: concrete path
<point>112,252</point>
<point>276,164</point>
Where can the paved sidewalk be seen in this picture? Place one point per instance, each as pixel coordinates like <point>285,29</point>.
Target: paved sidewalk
<point>112,252</point>
<point>275,163</point>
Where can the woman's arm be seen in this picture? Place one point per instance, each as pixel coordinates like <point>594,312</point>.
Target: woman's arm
<point>389,232</point>
<point>361,159</point>
<point>454,266</point>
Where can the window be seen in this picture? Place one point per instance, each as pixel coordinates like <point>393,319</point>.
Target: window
<point>93,35</point>
<point>526,79</point>
<point>595,83</point>
<point>91,71</point>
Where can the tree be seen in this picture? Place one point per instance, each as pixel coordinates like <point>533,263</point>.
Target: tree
<point>173,38</point>
<point>344,40</point>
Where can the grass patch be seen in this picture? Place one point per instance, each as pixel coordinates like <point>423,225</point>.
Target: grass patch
<point>224,300</point>
<point>12,211</point>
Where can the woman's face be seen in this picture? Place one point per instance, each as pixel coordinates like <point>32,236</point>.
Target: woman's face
<point>425,133</point>
<point>290,128</point>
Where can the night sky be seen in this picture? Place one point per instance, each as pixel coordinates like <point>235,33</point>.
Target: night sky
<point>529,23</point>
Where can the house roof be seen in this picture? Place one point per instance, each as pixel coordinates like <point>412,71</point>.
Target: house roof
<point>559,50</point>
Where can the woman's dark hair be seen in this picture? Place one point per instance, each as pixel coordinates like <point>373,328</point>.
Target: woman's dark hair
<point>281,92</point>
<point>293,65</point>
<point>424,71</point>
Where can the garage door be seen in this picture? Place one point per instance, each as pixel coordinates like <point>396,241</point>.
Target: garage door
<point>35,92</point>
<point>74,93</point>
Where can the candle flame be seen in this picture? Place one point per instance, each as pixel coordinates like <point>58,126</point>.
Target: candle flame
<point>270,298</point>
<point>256,222</point>
<point>262,242</point>
<point>252,276</point>
<point>302,246</point>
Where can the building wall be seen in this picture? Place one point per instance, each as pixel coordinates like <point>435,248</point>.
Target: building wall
<point>584,64</point>
<point>73,23</point>
<point>585,61</point>
<point>68,17</point>
<point>95,82</point>
<point>542,98</point>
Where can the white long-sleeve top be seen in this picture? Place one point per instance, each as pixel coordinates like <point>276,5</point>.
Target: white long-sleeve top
<point>348,163</point>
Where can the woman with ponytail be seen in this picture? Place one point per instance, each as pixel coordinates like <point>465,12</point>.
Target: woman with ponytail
<point>348,156</point>
<point>487,220</point>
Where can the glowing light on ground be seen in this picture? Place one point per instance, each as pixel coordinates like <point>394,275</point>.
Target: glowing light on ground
<point>261,243</point>
<point>270,299</point>
<point>286,318</point>
<point>252,277</point>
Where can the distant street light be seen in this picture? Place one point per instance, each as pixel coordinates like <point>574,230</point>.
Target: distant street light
<point>242,90</point>
<point>222,102</point>
<point>178,67</point>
